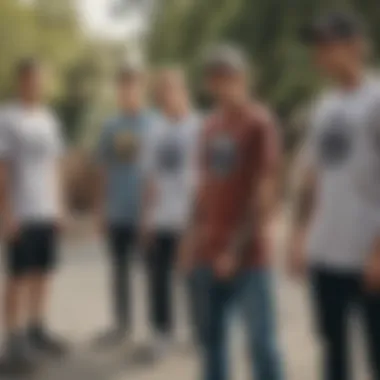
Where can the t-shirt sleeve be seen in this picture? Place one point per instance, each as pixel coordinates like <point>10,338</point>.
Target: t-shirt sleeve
<point>6,138</point>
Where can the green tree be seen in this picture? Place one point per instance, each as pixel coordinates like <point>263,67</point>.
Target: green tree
<point>267,30</point>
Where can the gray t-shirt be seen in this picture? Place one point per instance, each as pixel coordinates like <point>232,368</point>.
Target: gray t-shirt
<point>171,163</point>
<point>30,140</point>
<point>343,146</point>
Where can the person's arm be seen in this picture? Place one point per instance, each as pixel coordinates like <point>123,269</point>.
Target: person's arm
<point>263,196</point>
<point>9,224</point>
<point>61,174</point>
<point>372,269</point>
<point>99,190</point>
<point>190,238</point>
<point>264,193</point>
<point>303,199</point>
<point>100,178</point>
<point>149,174</point>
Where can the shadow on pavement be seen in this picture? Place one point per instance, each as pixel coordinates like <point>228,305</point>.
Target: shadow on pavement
<point>85,365</point>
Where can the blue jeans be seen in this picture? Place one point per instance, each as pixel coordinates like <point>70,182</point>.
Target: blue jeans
<point>251,292</point>
<point>197,283</point>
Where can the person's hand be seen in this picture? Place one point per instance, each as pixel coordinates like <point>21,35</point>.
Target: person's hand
<point>297,263</point>
<point>62,223</point>
<point>100,224</point>
<point>10,228</point>
<point>185,257</point>
<point>145,235</point>
<point>372,273</point>
<point>225,265</point>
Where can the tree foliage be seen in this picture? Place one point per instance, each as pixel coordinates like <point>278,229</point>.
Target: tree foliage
<point>267,30</point>
<point>51,31</point>
<point>37,30</point>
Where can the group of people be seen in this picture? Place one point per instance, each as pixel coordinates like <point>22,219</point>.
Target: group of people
<point>199,194</point>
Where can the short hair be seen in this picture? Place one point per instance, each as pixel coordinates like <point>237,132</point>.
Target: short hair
<point>172,71</point>
<point>226,57</point>
<point>166,73</point>
<point>27,66</point>
<point>127,73</point>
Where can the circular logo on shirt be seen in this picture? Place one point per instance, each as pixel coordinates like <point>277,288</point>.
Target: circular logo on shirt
<point>335,143</point>
<point>125,146</point>
<point>222,155</point>
<point>170,157</point>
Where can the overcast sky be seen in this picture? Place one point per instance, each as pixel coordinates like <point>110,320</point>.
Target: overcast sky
<point>97,19</point>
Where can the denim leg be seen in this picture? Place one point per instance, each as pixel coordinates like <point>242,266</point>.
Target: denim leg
<point>160,261</point>
<point>197,284</point>
<point>220,300</point>
<point>371,305</point>
<point>258,310</point>
<point>121,241</point>
<point>334,293</point>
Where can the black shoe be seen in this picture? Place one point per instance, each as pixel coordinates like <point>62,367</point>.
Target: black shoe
<point>111,338</point>
<point>146,355</point>
<point>41,341</point>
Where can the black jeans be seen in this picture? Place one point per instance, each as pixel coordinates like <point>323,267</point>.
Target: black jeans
<point>160,264</point>
<point>335,295</point>
<point>121,242</point>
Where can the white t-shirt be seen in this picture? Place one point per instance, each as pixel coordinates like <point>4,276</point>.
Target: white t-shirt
<point>30,140</point>
<point>171,161</point>
<point>342,147</point>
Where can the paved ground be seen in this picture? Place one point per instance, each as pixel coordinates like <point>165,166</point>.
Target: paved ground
<point>79,309</point>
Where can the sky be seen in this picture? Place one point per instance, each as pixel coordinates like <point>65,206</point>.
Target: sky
<point>98,20</point>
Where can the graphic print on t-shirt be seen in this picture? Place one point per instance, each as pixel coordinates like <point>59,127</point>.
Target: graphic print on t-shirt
<point>170,156</point>
<point>335,143</point>
<point>222,155</point>
<point>125,146</point>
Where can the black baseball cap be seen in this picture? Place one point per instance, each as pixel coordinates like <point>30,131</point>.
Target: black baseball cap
<point>331,27</point>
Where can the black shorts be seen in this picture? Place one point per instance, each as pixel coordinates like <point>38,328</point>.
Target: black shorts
<point>33,250</point>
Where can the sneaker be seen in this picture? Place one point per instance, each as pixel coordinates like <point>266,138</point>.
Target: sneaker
<point>163,345</point>
<point>40,340</point>
<point>16,358</point>
<point>16,365</point>
<point>144,355</point>
<point>111,338</point>
<point>150,354</point>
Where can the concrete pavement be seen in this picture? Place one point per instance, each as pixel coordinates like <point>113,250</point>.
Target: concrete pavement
<point>79,309</point>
